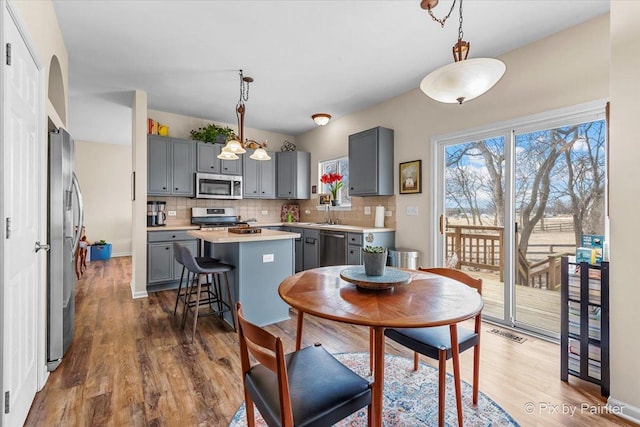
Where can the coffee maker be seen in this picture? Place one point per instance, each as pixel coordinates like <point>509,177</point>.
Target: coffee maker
<point>156,215</point>
<point>152,214</point>
<point>162,216</point>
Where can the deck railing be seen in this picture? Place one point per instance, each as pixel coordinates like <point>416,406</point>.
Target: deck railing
<point>482,247</point>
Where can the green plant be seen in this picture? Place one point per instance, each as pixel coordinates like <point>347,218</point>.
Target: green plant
<point>211,133</point>
<point>101,242</point>
<point>374,249</point>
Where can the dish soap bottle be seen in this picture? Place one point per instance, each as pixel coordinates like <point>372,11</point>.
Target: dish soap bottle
<point>289,217</point>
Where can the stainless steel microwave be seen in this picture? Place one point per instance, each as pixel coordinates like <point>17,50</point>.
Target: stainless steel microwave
<point>210,186</point>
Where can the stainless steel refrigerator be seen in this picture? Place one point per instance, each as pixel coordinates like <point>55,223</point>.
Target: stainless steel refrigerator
<point>65,226</point>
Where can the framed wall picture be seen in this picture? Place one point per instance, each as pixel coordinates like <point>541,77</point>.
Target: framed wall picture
<point>411,177</point>
<point>324,199</point>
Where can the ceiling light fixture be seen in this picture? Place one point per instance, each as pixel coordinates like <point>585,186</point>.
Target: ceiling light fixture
<point>234,145</point>
<point>260,154</point>
<point>465,79</point>
<point>321,119</point>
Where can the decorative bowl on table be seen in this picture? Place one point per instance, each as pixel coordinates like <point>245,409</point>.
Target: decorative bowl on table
<point>391,277</point>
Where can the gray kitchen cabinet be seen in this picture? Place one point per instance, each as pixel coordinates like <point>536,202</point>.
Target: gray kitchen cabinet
<point>158,165</point>
<point>355,242</point>
<point>183,165</point>
<point>163,272</point>
<point>207,157</point>
<point>208,161</point>
<point>160,262</point>
<point>171,163</point>
<point>259,177</point>
<point>311,249</point>
<point>354,248</point>
<point>293,174</point>
<point>371,163</point>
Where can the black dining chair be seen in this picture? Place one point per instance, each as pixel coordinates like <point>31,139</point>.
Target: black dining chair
<point>308,387</point>
<point>435,342</point>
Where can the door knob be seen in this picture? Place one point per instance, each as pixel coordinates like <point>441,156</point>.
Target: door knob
<point>44,246</point>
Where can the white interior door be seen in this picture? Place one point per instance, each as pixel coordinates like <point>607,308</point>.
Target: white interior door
<point>22,211</point>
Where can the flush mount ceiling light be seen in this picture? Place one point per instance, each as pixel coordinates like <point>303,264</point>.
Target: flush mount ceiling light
<point>321,119</point>
<point>465,79</point>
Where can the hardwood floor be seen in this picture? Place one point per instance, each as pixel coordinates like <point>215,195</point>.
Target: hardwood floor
<point>131,364</point>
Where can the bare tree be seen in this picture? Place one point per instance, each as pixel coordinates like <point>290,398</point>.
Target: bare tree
<point>586,179</point>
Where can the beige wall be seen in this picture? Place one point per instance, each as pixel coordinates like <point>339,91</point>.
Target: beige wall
<point>104,174</point>
<point>42,23</point>
<point>566,69</point>
<point>624,197</point>
<point>180,127</point>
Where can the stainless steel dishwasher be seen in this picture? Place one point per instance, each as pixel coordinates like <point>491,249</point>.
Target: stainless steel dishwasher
<point>333,248</point>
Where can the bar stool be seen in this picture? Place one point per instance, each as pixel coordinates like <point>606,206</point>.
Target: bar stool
<point>206,266</point>
<point>177,255</point>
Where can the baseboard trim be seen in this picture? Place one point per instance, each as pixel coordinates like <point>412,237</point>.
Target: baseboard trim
<point>623,410</point>
<point>119,254</point>
<point>138,294</point>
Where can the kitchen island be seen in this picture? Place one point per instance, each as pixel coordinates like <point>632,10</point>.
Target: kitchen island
<point>262,261</point>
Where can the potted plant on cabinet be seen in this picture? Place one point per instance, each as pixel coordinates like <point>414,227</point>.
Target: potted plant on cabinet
<point>374,259</point>
<point>212,133</point>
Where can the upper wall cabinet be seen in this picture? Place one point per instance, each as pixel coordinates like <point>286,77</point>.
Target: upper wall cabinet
<point>208,161</point>
<point>259,178</point>
<point>171,163</point>
<point>293,174</point>
<point>371,162</point>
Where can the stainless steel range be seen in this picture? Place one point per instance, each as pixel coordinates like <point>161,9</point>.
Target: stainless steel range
<point>214,218</point>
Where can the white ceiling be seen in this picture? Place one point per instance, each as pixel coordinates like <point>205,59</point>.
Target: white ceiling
<point>305,56</point>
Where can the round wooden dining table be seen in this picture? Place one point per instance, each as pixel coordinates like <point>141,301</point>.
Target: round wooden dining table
<point>427,300</point>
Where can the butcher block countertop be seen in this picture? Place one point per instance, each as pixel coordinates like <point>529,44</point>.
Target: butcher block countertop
<point>223,236</point>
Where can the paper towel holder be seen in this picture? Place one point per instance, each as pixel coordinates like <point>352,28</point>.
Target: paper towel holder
<point>379,217</point>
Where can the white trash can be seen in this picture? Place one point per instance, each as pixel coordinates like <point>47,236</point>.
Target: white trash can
<point>403,257</point>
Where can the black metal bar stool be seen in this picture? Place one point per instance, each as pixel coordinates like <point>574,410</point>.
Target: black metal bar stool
<point>213,291</point>
<point>180,296</point>
<point>177,255</point>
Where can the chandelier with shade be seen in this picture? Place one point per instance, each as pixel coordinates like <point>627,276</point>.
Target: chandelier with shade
<point>235,145</point>
<point>464,79</point>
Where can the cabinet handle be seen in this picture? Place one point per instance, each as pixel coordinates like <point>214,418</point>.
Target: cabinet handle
<point>177,188</point>
<point>173,237</point>
<point>213,167</point>
<point>167,248</point>
<point>351,188</point>
<point>164,188</point>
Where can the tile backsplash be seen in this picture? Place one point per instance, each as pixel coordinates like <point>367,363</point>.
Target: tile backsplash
<point>269,210</point>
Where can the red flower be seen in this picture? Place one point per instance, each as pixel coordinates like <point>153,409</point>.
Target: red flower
<point>330,178</point>
<point>335,183</point>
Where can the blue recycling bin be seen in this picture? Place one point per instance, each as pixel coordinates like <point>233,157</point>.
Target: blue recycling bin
<point>100,252</point>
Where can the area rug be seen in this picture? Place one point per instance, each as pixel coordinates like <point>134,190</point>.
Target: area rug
<point>411,398</point>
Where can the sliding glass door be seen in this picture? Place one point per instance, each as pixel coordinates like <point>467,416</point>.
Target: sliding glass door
<point>515,199</point>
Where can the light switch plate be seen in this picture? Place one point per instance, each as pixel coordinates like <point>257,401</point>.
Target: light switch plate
<point>171,213</point>
<point>367,210</point>
<point>264,212</point>
<point>267,257</point>
<point>388,213</point>
<point>412,211</point>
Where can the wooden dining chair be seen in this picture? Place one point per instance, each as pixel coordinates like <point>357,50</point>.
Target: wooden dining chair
<point>308,387</point>
<point>435,342</point>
